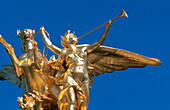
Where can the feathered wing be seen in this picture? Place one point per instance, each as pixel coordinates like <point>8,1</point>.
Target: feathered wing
<point>9,74</point>
<point>107,59</point>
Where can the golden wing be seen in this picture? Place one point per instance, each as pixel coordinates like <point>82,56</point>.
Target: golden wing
<point>107,59</point>
<point>9,74</point>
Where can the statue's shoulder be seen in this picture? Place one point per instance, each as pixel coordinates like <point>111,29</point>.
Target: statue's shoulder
<point>64,51</point>
<point>82,47</point>
<point>23,56</point>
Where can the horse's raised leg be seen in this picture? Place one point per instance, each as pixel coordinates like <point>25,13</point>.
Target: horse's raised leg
<point>10,50</point>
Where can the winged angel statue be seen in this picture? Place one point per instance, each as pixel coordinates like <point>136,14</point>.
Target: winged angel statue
<point>64,83</point>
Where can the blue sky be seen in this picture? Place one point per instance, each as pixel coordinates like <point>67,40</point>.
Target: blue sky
<point>146,32</point>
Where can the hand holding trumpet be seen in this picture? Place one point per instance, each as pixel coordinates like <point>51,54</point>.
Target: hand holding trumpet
<point>108,24</point>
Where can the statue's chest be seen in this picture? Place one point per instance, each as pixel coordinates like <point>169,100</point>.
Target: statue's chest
<point>75,56</point>
<point>27,60</point>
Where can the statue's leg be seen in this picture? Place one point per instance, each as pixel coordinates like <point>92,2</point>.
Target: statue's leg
<point>71,91</point>
<point>79,96</point>
<point>72,98</point>
<point>85,88</point>
<point>67,97</point>
<point>14,59</point>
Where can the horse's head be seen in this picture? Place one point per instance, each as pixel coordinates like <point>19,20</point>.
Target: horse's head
<point>27,39</point>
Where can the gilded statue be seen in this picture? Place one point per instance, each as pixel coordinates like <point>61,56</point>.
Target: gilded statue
<point>29,71</point>
<point>80,60</point>
<point>64,83</point>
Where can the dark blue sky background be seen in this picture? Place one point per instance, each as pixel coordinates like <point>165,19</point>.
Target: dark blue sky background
<point>146,32</point>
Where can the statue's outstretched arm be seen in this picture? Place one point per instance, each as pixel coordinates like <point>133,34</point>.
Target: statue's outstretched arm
<point>10,50</point>
<point>48,43</point>
<point>101,39</point>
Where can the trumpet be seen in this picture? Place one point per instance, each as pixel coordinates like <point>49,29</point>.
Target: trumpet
<point>123,14</point>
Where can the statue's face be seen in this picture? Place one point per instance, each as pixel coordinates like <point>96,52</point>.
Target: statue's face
<point>26,34</point>
<point>26,37</point>
<point>71,39</point>
<point>68,40</point>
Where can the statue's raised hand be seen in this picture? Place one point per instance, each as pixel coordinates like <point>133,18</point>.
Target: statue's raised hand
<point>108,24</point>
<point>41,29</point>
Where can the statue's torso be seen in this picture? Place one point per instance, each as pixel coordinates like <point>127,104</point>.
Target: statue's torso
<point>32,75</point>
<point>76,62</point>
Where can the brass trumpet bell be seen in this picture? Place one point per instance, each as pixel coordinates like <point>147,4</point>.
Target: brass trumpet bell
<point>124,14</point>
